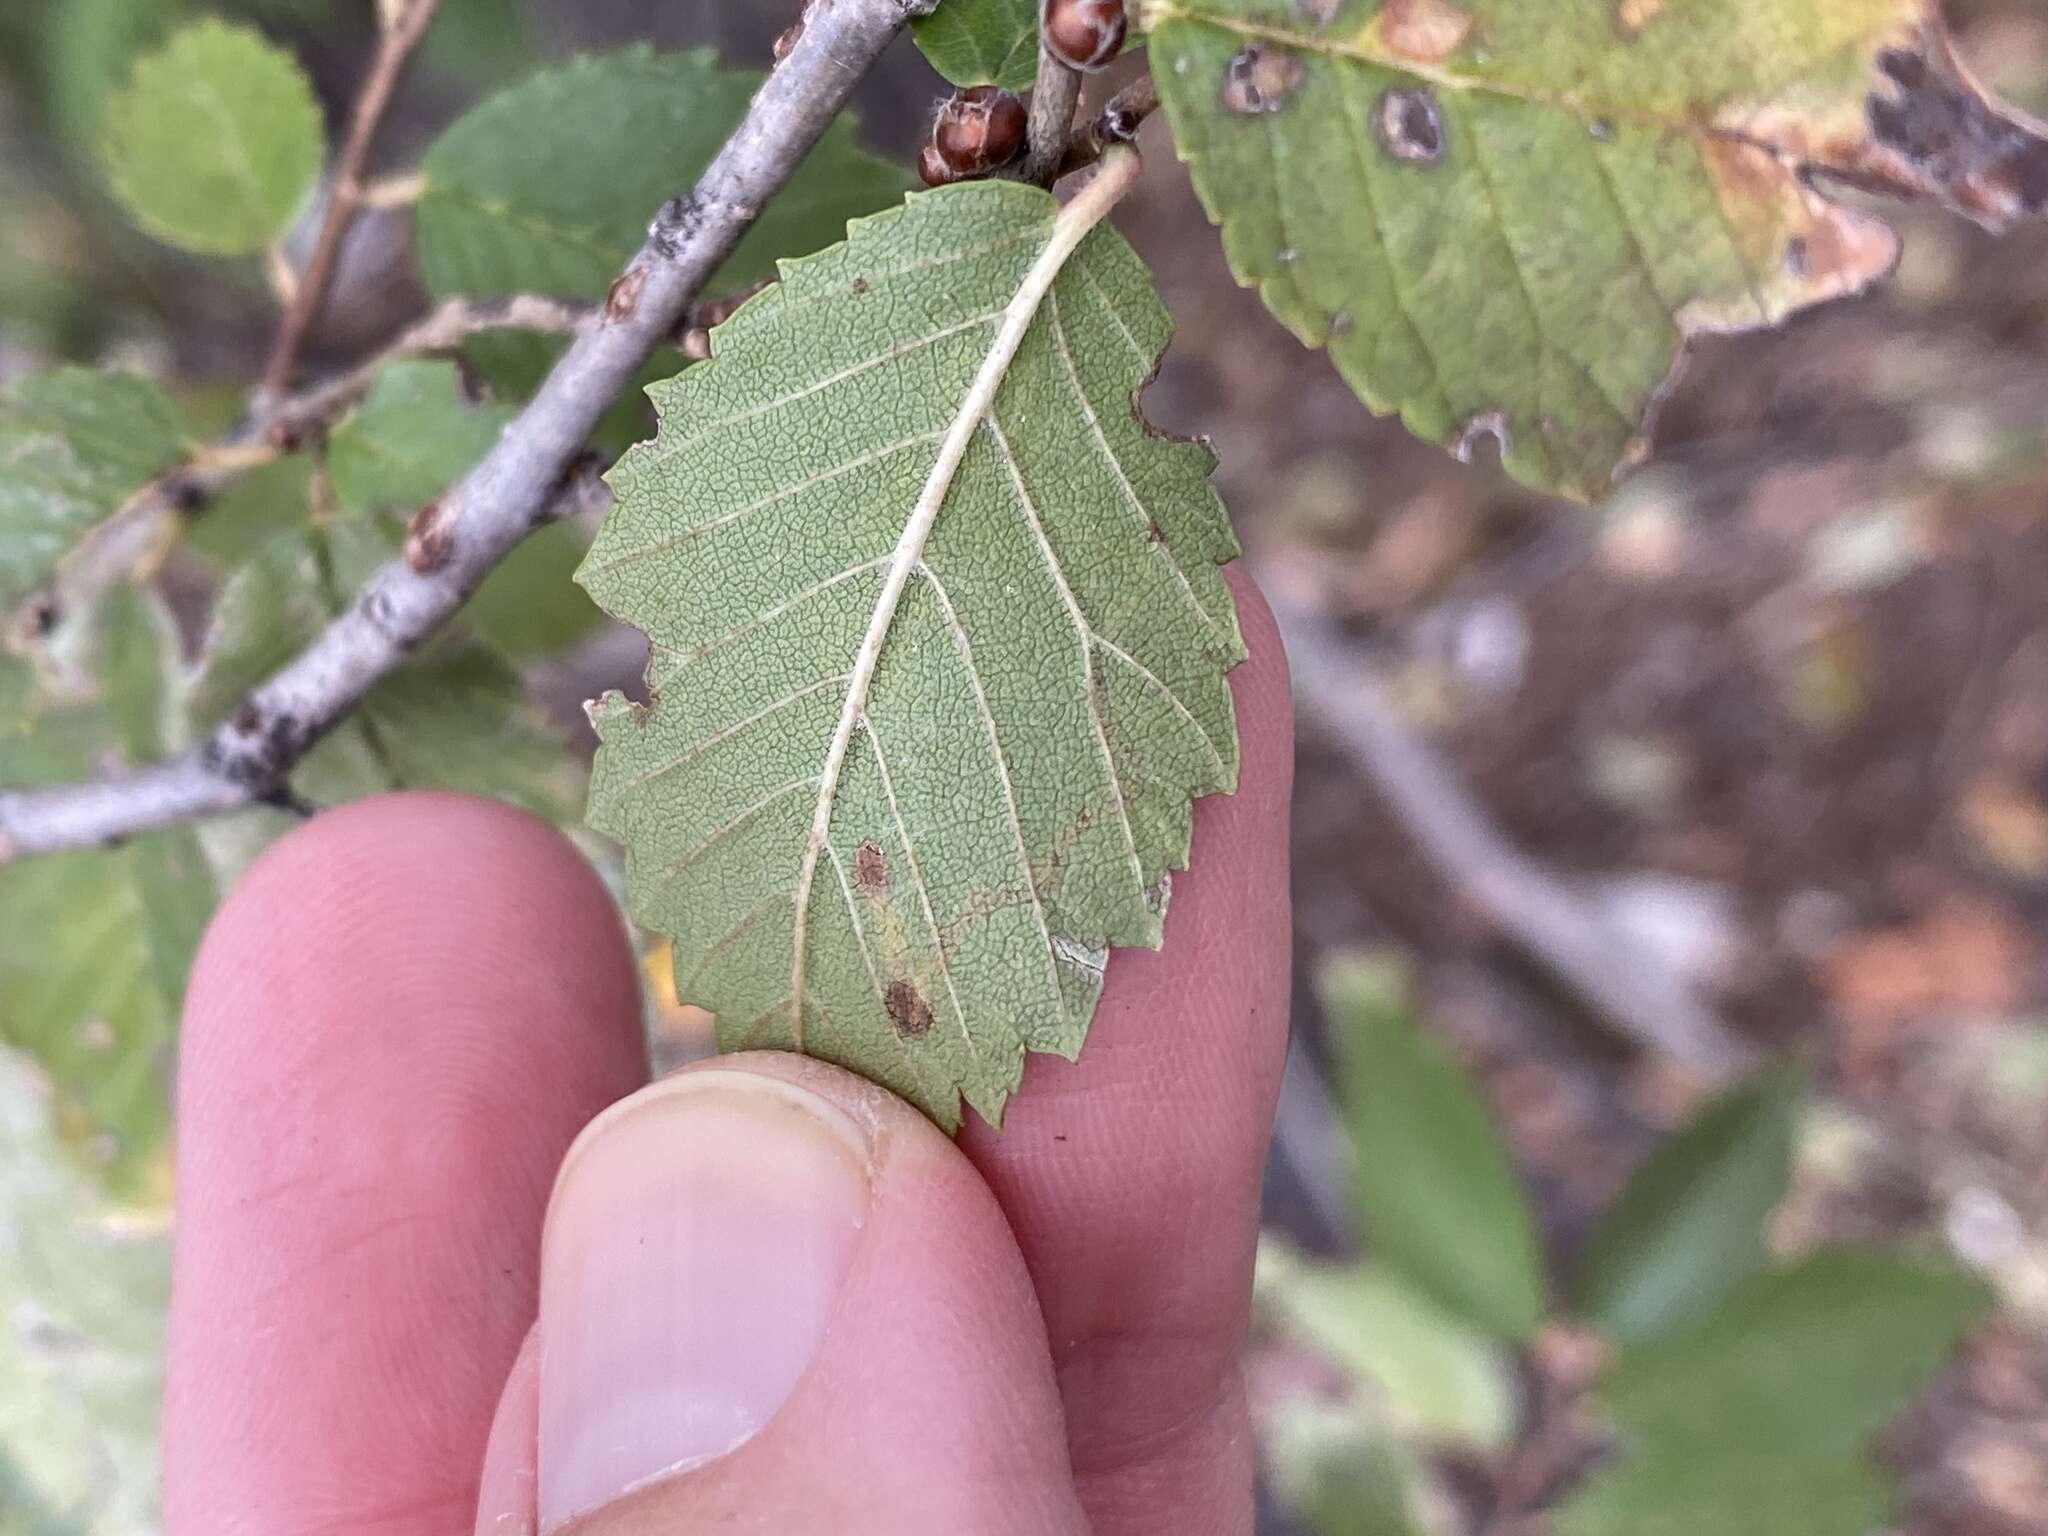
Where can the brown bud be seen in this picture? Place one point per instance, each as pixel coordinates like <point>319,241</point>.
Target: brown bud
<point>979,129</point>
<point>932,169</point>
<point>1085,33</point>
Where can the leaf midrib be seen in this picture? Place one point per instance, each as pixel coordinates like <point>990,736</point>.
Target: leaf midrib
<point>1073,222</point>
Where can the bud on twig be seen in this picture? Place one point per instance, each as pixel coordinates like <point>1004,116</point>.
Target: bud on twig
<point>976,131</point>
<point>1085,34</point>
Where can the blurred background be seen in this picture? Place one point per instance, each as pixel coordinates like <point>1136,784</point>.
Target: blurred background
<point>1598,811</point>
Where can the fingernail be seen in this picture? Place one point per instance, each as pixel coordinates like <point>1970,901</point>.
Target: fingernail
<point>695,1246</point>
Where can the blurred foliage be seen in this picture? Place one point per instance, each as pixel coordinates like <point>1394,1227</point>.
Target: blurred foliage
<point>1431,1177</point>
<point>234,189</point>
<point>1729,1394</point>
<point>82,1299</point>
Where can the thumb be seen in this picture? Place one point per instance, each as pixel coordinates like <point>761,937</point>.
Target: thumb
<point>776,1297</point>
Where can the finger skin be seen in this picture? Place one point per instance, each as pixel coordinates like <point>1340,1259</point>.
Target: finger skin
<point>1131,1176</point>
<point>397,1022</point>
<point>930,1404</point>
<point>505,1503</point>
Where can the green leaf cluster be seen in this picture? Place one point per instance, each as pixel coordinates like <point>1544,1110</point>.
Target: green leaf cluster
<point>1743,1394</point>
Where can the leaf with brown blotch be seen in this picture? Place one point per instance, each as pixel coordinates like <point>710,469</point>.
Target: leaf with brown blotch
<point>1506,218</point>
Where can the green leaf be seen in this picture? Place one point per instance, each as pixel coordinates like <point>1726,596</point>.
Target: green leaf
<point>454,718</point>
<point>1692,1494</point>
<point>1691,1221</point>
<point>1047,628</point>
<point>74,444</point>
<point>1440,1201</point>
<point>1508,217</point>
<point>1441,1377</point>
<point>1369,1493</point>
<point>530,605</point>
<point>82,1303</point>
<point>94,945</point>
<point>982,42</point>
<point>547,186</point>
<point>985,42</point>
<point>1818,1356</point>
<point>216,142</point>
<point>1755,1418</point>
<point>414,435</point>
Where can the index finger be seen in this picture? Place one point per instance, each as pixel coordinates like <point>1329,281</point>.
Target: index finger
<point>1131,1176</point>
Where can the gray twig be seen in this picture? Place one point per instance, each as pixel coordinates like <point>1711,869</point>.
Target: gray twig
<point>511,490</point>
<point>405,27</point>
<point>1053,100</point>
<point>1623,985</point>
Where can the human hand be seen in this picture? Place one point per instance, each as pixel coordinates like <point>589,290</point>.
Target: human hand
<point>769,1295</point>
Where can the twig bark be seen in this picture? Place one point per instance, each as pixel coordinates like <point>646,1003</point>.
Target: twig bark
<point>1628,989</point>
<point>134,534</point>
<point>1051,119</point>
<point>405,27</point>
<point>250,756</point>
<point>1117,123</point>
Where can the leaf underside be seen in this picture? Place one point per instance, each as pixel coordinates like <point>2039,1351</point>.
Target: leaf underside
<point>1505,218</point>
<point>1048,694</point>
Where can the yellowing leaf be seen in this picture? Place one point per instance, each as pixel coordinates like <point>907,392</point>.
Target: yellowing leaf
<point>939,644</point>
<point>1505,218</point>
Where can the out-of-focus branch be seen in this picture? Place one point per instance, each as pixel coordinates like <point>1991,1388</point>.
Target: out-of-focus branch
<point>405,23</point>
<point>249,757</point>
<point>1627,988</point>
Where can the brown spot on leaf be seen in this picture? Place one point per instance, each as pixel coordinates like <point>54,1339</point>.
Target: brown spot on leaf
<point>860,285</point>
<point>624,296</point>
<point>1260,79</point>
<point>430,537</point>
<point>908,1010</point>
<point>1154,534</point>
<point>1424,31</point>
<point>1631,16</point>
<point>870,868</point>
<point>1411,124</point>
